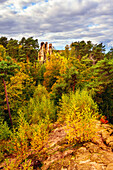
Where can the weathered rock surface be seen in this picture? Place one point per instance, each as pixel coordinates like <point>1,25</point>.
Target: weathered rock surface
<point>109,140</point>
<point>105,135</point>
<point>110,166</point>
<point>94,155</point>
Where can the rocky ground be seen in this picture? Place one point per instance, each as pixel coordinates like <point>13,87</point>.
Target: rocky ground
<point>94,155</point>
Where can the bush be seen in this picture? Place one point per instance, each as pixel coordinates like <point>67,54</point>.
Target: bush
<point>27,138</point>
<point>78,112</point>
<point>15,164</point>
<point>39,135</point>
<point>40,106</point>
<point>18,144</point>
<point>4,131</point>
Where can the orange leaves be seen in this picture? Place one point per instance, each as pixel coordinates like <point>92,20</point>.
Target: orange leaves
<point>104,120</point>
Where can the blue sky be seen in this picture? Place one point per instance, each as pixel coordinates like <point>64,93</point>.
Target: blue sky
<point>58,22</point>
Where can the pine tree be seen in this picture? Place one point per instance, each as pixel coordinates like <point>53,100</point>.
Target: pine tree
<point>7,68</point>
<point>28,50</point>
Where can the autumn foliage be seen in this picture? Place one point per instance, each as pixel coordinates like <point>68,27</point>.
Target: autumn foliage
<point>72,88</point>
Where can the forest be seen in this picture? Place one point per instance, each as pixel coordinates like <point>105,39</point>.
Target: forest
<point>74,87</point>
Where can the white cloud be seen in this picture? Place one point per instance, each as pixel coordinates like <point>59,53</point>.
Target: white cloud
<point>58,21</point>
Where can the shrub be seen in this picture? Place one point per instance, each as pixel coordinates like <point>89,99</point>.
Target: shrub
<point>4,131</point>
<point>40,106</point>
<point>18,144</point>
<point>39,135</point>
<point>15,164</point>
<point>78,111</point>
<point>28,138</point>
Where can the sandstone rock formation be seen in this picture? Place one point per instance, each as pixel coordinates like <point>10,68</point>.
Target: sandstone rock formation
<point>44,50</point>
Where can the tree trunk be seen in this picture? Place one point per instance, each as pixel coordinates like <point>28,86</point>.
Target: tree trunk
<point>91,58</point>
<point>74,87</point>
<point>7,102</point>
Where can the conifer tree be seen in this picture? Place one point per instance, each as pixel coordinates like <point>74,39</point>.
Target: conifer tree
<point>103,84</point>
<point>29,49</point>
<point>3,41</point>
<point>7,68</point>
<point>13,48</point>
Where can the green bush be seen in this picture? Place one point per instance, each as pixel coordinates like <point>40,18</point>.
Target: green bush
<point>40,106</point>
<point>4,131</point>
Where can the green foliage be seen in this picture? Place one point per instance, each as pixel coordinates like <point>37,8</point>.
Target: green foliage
<point>94,51</point>
<point>101,81</point>
<point>110,54</point>
<point>66,53</point>
<point>103,71</point>
<point>105,102</point>
<point>40,106</point>
<point>3,41</point>
<point>37,73</point>
<point>74,74</point>
<point>4,131</point>
<point>78,111</point>
<point>28,49</point>
<point>7,69</point>
<point>12,48</point>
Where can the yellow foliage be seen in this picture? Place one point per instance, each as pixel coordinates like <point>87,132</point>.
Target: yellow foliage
<point>2,52</point>
<point>19,83</point>
<point>40,136</point>
<point>28,139</point>
<point>15,163</point>
<point>80,126</point>
<point>52,71</point>
<point>19,139</point>
<point>78,111</point>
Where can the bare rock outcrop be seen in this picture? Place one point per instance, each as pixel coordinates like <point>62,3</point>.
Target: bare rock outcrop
<point>94,155</point>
